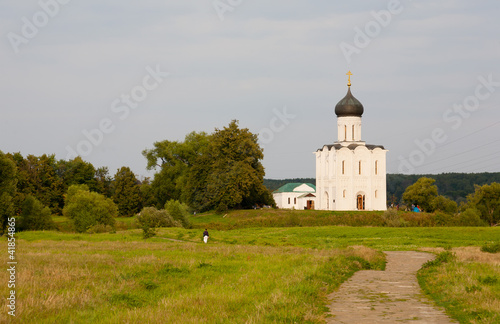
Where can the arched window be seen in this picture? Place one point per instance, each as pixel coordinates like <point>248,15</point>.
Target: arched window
<point>359,167</point>
<point>376,167</point>
<point>345,132</point>
<point>353,132</point>
<point>376,193</point>
<point>343,167</point>
<point>343,194</point>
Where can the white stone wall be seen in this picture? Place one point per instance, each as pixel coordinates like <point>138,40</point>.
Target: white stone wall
<point>339,180</point>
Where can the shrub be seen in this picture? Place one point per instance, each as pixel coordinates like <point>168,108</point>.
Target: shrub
<point>392,219</point>
<point>179,212</point>
<point>150,218</point>
<point>100,228</point>
<point>471,217</point>
<point>87,209</point>
<point>34,216</point>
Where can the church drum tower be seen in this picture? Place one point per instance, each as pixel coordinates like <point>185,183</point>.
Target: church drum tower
<point>350,174</point>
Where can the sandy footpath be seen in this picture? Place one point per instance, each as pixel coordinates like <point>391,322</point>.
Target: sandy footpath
<point>390,296</point>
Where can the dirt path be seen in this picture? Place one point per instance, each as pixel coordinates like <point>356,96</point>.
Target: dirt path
<point>390,296</point>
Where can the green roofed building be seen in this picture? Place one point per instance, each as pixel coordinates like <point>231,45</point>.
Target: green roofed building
<point>295,196</point>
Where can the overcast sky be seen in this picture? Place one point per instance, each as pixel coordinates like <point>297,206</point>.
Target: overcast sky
<point>108,78</point>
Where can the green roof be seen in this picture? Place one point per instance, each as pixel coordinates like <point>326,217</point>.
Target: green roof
<point>289,187</point>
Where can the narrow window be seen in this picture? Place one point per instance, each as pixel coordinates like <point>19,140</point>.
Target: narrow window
<point>344,193</point>
<point>345,132</point>
<point>289,201</point>
<point>343,169</point>
<point>353,132</point>
<point>376,167</point>
<point>376,192</point>
<point>295,201</point>
<point>359,167</point>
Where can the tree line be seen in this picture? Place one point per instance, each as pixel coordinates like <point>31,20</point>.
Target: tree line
<point>221,171</point>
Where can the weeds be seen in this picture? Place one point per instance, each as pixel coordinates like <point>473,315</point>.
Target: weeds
<point>491,247</point>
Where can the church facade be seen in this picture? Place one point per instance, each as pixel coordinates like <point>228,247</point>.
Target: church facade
<point>350,174</point>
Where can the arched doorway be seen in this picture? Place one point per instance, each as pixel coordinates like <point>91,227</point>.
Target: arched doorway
<point>360,202</point>
<point>327,201</point>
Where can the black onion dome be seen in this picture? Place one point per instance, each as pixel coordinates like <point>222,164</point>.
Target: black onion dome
<point>349,106</point>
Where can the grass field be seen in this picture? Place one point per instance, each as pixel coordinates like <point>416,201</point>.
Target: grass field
<point>244,275</point>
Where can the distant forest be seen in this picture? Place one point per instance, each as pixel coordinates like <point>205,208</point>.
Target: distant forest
<point>455,186</point>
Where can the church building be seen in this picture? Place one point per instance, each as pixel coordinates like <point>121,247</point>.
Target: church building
<point>350,174</point>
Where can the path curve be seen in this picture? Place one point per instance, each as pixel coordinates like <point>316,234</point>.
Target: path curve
<point>390,296</point>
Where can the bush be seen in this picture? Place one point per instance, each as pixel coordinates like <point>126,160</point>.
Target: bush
<point>392,219</point>
<point>150,218</point>
<point>470,217</point>
<point>179,212</point>
<point>87,209</point>
<point>100,228</point>
<point>34,216</point>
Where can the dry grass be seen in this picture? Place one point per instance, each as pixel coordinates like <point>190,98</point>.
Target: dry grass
<point>171,282</point>
<point>468,287</point>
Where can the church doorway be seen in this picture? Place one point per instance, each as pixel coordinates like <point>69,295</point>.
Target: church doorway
<point>326,201</point>
<point>361,202</point>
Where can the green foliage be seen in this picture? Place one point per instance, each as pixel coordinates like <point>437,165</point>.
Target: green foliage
<point>229,175</point>
<point>34,216</point>
<point>219,171</point>
<point>38,176</point>
<point>421,193</point>
<point>392,219</point>
<point>77,171</point>
<point>179,212</point>
<point>491,247</point>
<point>470,217</point>
<point>486,199</point>
<point>127,192</point>
<point>150,218</point>
<point>87,209</point>
<point>174,159</point>
<point>8,181</point>
<point>443,257</point>
<point>441,203</point>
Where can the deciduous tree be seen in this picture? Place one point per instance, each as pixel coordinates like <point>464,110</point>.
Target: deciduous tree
<point>8,180</point>
<point>87,209</point>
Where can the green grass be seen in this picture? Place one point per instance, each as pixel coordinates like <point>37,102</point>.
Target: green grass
<point>62,281</point>
<point>469,291</point>
<point>250,274</point>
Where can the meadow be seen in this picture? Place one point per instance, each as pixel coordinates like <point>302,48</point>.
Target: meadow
<point>247,274</point>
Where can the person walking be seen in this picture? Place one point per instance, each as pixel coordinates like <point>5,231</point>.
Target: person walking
<point>205,236</point>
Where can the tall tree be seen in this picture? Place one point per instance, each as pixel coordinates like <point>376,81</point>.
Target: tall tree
<point>127,192</point>
<point>229,174</point>
<point>37,176</point>
<point>174,160</point>
<point>77,171</point>
<point>486,199</point>
<point>8,180</point>
<point>422,193</point>
<point>103,181</point>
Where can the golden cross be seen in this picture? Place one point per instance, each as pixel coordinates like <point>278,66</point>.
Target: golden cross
<point>349,80</point>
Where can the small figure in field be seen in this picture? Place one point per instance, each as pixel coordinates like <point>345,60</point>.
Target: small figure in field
<point>205,236</point>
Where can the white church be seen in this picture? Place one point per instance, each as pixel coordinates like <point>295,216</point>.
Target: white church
<point>350,174</point>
